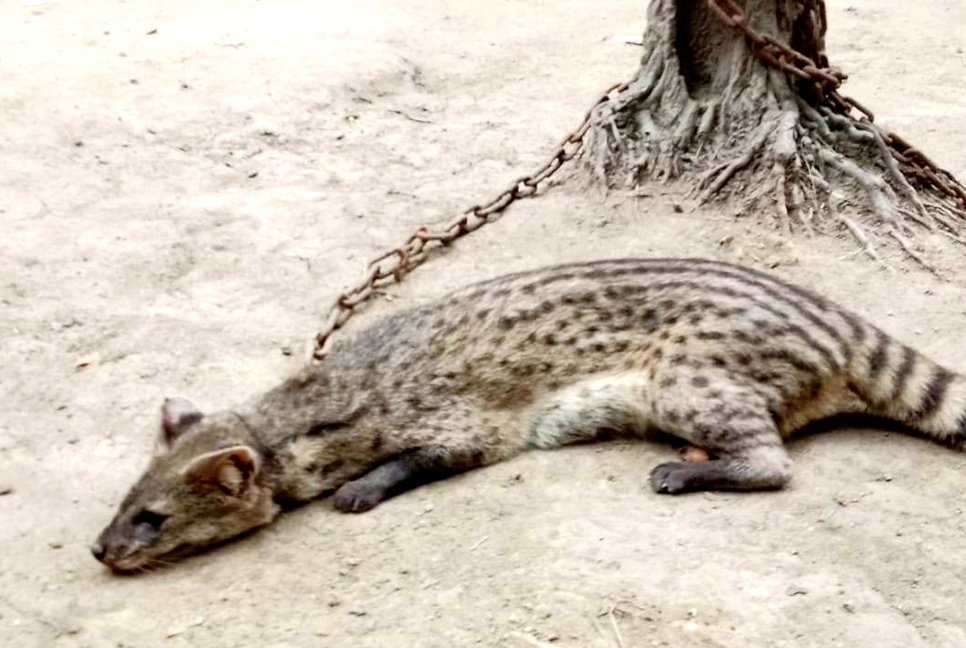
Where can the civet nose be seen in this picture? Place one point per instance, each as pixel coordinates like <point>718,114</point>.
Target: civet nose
<point>98,550</point>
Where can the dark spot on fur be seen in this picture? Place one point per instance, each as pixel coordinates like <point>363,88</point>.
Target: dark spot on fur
<point>709,335</point>
<point>813,388</point>
<point>562,324</point>
<point>678,359</point>
<point>571,341</point>
<point>699,381</point>
<point>747,338</point>
<point>549,339</point>
<point>743,359</point>
<point>665,334</point>
<point>505,323</point>
<point>600,347</point>
<point>331,467</point>
<point>695,319</point>
<point>321,429</point>
<point>621,345</point>
<point>523,370</point>
<point>658,354</point>
<point>528,289</point>
<point>547,306</point>
<point>649,319</point>
<point>481,314</point>
<point>376,441</point>
<point>718,361</point>
<point>672,417</point>
<point>680,339</point>
<point>612,293</point>
<point>591,330</point>
<point>667,381</point>
<point>625,311</point>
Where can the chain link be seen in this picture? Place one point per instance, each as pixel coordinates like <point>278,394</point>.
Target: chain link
<point>826,81</point>
<point>398,262</point>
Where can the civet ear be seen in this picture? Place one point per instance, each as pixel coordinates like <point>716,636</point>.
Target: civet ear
<point>177,415</point>
<point>232,470</point>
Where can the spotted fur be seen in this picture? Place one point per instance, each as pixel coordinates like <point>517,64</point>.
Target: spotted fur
<point>725,357</point>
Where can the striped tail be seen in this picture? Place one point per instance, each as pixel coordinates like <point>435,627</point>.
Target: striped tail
<point>899,383</point>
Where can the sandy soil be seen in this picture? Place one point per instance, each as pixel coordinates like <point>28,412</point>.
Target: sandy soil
<point>183,188</point>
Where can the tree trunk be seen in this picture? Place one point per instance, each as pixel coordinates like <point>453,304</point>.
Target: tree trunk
<point>703,108</point>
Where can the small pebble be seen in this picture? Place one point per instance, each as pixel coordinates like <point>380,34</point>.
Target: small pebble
<point>56,545</point>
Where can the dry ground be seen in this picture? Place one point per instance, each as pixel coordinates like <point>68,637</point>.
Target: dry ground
<point>184,186</point>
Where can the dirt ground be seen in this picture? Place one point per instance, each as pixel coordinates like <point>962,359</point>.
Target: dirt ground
<point>185,186</point>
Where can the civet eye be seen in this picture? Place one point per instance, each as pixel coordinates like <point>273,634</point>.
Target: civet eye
<point>152,519</point>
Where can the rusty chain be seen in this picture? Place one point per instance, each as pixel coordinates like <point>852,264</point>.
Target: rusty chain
<point>826,81</point>
<point>396,263</point>
<point>393,265</point>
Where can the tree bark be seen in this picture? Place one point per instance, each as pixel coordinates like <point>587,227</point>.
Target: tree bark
<point>704,109</point>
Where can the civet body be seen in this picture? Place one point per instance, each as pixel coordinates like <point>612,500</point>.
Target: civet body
<point>725,357</point>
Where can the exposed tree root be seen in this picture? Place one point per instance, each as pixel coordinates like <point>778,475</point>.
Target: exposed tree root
<point>741,131</point>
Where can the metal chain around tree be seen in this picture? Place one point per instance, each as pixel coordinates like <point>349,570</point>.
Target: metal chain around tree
<point>398,262</point>
<point>826,81</point>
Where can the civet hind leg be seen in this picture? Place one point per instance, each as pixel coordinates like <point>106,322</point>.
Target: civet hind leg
<point>732,422</point>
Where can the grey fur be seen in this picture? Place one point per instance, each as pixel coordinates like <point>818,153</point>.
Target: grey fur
<point>725,357</point>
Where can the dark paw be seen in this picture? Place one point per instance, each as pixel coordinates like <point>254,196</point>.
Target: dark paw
<point>357,496</point>
<point>669,477</point>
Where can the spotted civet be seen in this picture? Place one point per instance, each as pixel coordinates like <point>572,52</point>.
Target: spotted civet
<point>724,357</point>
